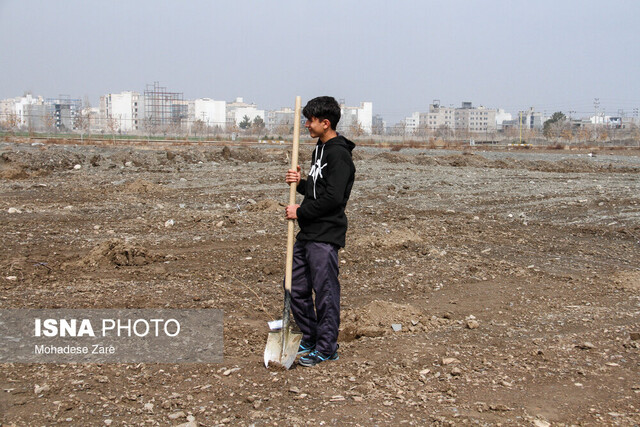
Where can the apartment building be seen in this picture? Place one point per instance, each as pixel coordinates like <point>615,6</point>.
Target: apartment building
<point>378,125</point>
<point>411,123</point>
<point>212,113</point>
<point>501,117</point>
<point>280,121</point>
<point>475,119</point>
<point>238,109</point>
<point>529,119</point>
<point>354,117</point>
<point>64,111</point>
<point>27,112</point>
<point>37,114</point>
<point>465,118</point>
<point>122,112</point>
<point>438,117</point>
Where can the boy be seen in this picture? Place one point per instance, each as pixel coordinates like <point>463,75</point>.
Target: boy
<point>323,226</point>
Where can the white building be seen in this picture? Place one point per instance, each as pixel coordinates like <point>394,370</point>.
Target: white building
<point>466,118</point>
<point>39,114</point>
<point>212,113</point>
<point>238,110</point>
<point>361,116</point>
<point>502,116</point>
<point>475,119</point>
<point>438,117</point>
<point>528,119</point>
<point>65,111</point>
<point>280,121</point>
<point>92,116</point>
<point>30,111</point>
<point>8,112</point>
<point>411,123</point>
<point>122,111</point>
<point>531,119</point>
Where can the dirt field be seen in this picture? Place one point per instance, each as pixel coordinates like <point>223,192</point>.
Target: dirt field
<point>515,276</point>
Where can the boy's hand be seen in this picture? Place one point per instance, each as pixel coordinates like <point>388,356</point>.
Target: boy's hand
<point>293,176</point>
<point>291,212</point>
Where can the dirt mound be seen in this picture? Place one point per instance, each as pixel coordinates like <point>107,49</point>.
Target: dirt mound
<point>43,160</point>
<point>244,154</point>
<point>141,186</point>
<point>388,238</point>
<point>358,156</point>
<point>375,320</point>
<point>628,280</point>
<point>191,156</point>
<point>250,155</point>
<point>12,171</point>
<point>562,166</point>
<point>266,205</point>
<point>116,252</point>
<point>425,160</point>
<point>392,158</point>
<point>140,158</point>
<point>465,159</point>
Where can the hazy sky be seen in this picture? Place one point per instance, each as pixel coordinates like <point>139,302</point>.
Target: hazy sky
<point>401,55</point>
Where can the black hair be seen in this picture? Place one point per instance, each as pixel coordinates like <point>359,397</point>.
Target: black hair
<point>323,107</point>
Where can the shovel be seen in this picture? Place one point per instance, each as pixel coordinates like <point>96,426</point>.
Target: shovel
<point>282,346</point>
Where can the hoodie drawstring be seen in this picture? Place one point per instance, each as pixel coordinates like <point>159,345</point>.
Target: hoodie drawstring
<point>316,169</point>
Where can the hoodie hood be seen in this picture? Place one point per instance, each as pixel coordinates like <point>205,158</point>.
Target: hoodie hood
<point>339,140</point>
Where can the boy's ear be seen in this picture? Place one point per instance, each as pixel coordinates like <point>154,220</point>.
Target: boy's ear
<point>326,123</point>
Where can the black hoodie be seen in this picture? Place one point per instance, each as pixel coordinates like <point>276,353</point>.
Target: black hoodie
<point>326,191</point>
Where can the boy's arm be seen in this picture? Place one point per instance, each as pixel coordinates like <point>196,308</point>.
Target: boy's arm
<point>296,176</point>
<point>337,180</point>
<point>302,186</point>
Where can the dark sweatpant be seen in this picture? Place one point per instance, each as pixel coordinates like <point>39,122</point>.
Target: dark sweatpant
<point>315,269</point>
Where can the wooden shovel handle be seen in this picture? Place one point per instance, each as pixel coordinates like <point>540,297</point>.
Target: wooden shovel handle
<point>292,196</point>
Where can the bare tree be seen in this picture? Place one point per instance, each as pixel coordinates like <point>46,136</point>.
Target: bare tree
<point>12,121</point>
<point>199,127</point>
<point>511,132</point>
<point>113,126</point>
<point>443,131</point>
<point>283,128</point>
<point>567,133</point>
<point>634,133</point>
<point>603,134</point>
<point>584,134</point>
<point>356,129</point>
<point>49,122</point>
<point>80,123</point>
<point>148,127</point>
<point>232,127</point>
<point>423,130</point>
<point>377,128</point>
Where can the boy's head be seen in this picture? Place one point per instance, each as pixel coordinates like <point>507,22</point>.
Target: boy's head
<point>323,107</point>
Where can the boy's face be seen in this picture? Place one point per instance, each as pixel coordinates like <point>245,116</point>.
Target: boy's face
<point>317,128</point>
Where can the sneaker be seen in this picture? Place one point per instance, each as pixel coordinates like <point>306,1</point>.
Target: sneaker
<point>315,357</point>
<point>306,347</point>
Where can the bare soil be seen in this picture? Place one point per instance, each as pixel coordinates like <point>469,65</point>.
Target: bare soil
<point>515,277</point>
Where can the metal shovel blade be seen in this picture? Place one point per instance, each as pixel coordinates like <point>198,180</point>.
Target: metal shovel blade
<point>278,354</point>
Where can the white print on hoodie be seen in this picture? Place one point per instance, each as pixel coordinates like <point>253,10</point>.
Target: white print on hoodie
<point>316,169</point>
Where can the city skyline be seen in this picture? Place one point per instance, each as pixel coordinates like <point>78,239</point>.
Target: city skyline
<point>596,107</point>
<point>500,54</point>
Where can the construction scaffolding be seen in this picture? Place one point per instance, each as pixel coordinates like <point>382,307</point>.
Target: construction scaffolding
<point>163,108</point>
